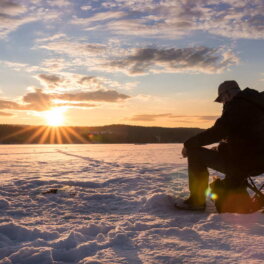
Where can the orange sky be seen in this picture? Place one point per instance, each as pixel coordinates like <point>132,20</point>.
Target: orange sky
<point>150,63</point>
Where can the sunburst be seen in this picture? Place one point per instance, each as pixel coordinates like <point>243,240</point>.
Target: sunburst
<point>55,132</point>
<point>54,117</point>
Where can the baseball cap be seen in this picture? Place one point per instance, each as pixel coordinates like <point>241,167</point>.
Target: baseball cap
<point>224,87</point>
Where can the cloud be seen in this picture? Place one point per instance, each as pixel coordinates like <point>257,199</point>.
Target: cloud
<point>50,80</point>
<point>140,61</point>
<point>74,48</point>
<point>238,20</point>
<point>66,82</point>
<point>178,118</point>
<point>207,118</point>
<point>14,14</point>
<point>41,101</point>
<point>55,64</point>
<point>148,117</point>
<point>59,3</point>
<point>197,118</point>
<point>14,65</point>
<point>143,27</point>
<point>152,18</point>
<point>86,7</point>
<point>9,22</point>
<point>76,105</point>
<point>10,8</point>
<point>172,19</point>
<point>194,59</point>
<point>97,96</point>
<point>5,114</point>
<point>229,18</point>
<point>5,104</point>
<point>18,66</point>
<point>51,38</point>
<point>37,101</point>
<point>99,17</point>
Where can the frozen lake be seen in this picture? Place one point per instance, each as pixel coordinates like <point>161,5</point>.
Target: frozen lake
<point>112,206</point>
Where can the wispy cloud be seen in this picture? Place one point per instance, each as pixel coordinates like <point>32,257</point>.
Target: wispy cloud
<point>65,82</point>
<point>152,18</point>
<point>170,116</point>
<point>99,17</point>
<point>11,8</point>
<point>11,16</point>
<point>51,38</point>
<point>149,117</point>
<point>145,60</point>
<point>86,7</point>
<point>195,59</point>
<point>230,18</point>
<point>74,48</point>
<point>5,114</point>
<point>6,104</point>
<point>55,65</point>
<point>41,101</point>
<point>59,3</point>
<point>97,96</point>
<point>50,80</point>
<point>173,19</point>
<point>14,14</point>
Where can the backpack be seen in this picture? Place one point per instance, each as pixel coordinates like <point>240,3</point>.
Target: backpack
<point>232,200</point>
<point>256,98</point>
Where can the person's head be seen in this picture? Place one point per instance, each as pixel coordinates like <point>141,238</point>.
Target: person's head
<point>226,91</point>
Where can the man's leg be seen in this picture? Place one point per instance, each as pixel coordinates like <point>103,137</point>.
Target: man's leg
<point>199,160</point>
<point>232,192</point>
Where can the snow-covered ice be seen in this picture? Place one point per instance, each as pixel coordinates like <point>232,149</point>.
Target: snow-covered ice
<point>113,205</point>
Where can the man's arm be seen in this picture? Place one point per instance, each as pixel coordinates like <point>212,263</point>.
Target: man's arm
<point>212,135</point>
<point>231,121</point>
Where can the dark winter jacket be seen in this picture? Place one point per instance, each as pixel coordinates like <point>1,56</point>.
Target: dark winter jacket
<point>241,125</point>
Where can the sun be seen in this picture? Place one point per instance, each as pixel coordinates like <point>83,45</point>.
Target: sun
<point>54,117</point>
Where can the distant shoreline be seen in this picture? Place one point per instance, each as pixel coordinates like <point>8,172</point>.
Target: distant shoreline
<point>110,134</point>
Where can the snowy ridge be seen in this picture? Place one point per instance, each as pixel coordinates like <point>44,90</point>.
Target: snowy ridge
<point>112,204</point>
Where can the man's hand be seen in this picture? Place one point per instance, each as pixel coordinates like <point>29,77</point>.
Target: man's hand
<point>184,152</point>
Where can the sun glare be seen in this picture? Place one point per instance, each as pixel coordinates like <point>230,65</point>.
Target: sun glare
<point>54,117</point>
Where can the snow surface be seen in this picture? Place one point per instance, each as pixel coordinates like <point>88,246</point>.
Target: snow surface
<point>113,205</point>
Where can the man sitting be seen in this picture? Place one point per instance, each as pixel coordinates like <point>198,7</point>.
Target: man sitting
<point>240,131</point>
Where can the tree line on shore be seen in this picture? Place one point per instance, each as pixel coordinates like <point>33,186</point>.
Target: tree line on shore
<point>25,134</point>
